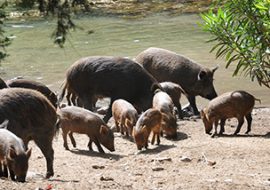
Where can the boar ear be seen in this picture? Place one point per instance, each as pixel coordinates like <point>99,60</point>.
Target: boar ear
<point>103,130</point>
<point>214,69</point>
<point>201,75</point>
<point>4,124</point>
<point>12,153</point>
<point>144,127</point>
<point>28,152</point>
<point>155,87</point>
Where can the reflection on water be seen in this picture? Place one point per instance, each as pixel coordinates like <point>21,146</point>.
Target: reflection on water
<point>34,56</point>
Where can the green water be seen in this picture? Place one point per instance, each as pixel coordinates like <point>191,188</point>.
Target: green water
<point>34,56</point>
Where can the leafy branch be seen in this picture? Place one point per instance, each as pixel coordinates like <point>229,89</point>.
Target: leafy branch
<point>241,29</point>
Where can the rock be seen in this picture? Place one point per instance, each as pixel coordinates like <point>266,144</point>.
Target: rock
<point>157,169</point>
<point>185,159</point>
<point>98,167</point>
<point>106,178</point>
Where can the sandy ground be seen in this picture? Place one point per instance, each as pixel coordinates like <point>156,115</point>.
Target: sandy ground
<point>193,161</point>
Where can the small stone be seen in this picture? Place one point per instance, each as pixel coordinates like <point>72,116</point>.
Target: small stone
<point>185,159</point>
<point>157,169</point>
<point>106,178</point>
<point>98,167</point>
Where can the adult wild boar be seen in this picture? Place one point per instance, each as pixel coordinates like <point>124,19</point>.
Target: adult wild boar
<point>174,91</point>
<point>34,85</point>
<point>31,117</point>
<point>13,154</point>
<point>79,120</point>
<point>113,77</point>
<point>125,116</point>
<point>237,104</point>
<point>166,65</point>
<point>149,121</point>
<point>163,102</point>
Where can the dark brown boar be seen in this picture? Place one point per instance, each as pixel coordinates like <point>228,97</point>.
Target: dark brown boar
<point>149,121</point>
<point>113,77</point>
<point>163,102</point>
<point>79,120</point>
<point>174,91</point>
<point>238,104</point>
<point>13,154</point>
<point>34,85</point>
<point>31,117</point>
<point>166,65</point>
<point>125,116</point>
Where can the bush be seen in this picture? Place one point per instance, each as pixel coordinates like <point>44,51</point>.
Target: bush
<point>241,29</point>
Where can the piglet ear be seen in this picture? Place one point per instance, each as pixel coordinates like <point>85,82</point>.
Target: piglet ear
<point>201,75</point>
<point>28,153</point>
<point>4,124</point>
<point>103,130</point>
<point>12,153</point>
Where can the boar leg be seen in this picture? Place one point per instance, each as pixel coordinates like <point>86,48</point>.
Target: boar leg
<point>249,120</point>
<point>222,123</point>
<point>45,145</point>
<point>1,169</point>
<point>240,123</point>
<point>64,134</point>
<point>90,144</point>
<point>96,141</point>
<point>179,109</point>
<point>109,112</point>
<point>12,174</point>
<point>70,134</point>
<point>215,129</point>
<point>192,102</point>
<point>153,138</point>
<point>68,98</point>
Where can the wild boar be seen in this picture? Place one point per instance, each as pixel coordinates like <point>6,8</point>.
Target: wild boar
<point>13,154</point>
<point>34,85</point>
<point>79,120</point>
<point>163,102</point>
<point>174,91</point>
<point>166,65</point>
<point>238,104</point>
<point>149,121</point>
<point>113,77</point>
<point>125,116</point>
<point>31,117</point>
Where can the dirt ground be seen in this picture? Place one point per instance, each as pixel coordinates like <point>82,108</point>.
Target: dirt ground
<point>193,161</point>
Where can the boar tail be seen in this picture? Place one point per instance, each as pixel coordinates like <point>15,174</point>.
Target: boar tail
<point>63,92</point>
<point>57,126</point>
<point>257,100</point>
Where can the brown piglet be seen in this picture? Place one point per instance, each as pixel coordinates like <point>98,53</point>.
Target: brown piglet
<point>13,154</point>
<point>163,102</point>
<point>79,120</point>
<point>236,104</point>
<point>125,116</point>
<point>149,121</point>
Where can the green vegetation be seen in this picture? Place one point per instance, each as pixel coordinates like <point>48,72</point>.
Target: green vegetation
<point>4,40</point>
<point>241,29</point>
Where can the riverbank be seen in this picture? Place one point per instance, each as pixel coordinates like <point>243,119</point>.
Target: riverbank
<point>125,8</point>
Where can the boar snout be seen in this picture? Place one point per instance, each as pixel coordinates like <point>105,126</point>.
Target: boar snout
<point>211,96</point>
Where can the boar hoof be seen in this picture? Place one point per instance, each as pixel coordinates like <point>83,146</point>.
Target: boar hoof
<point>213,135</point>
<point>49,174</point>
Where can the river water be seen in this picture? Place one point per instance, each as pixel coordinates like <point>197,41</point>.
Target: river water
<point>34,56</point>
